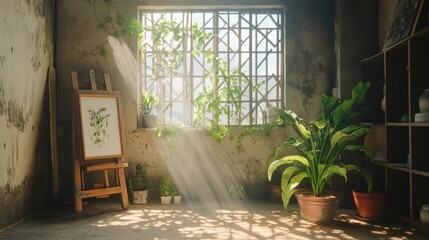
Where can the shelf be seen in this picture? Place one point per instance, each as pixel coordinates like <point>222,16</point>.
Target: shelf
<point>419,124</point>
<point>401,44</point>
<point>398,124</point>
<point>375,58</point>
<point>423,32</point>
<point>376,123</point>
<point>421,173</point>
<point>399,189</point>
<point>400,74</point>
<point>399,166</point>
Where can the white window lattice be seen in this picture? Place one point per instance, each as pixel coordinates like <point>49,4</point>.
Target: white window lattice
<point>251,42</point>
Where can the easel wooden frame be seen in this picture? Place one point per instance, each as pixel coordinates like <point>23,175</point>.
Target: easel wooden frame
<point>83,166</point>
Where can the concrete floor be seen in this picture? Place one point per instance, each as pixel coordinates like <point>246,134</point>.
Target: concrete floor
<point>255,220</point>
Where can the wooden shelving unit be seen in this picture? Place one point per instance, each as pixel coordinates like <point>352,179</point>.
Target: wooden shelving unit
<point>404,68</point>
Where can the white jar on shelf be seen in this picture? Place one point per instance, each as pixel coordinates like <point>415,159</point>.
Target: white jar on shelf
<point>424,213</point>
<point>424,101</point>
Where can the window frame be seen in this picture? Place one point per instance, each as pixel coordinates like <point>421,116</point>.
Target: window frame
<point>202,8</point>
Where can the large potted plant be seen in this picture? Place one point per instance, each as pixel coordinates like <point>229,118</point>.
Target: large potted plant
<point>138,184</point>
<point>148,102</point>
<point>320,145</point>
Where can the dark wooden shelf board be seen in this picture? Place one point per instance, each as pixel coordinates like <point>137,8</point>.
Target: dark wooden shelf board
<point>421,173</point>
<point>397,124</point>
<point>423,32</point>
<point>420,124</point>
<point>374,58</point>
<point>400,167</point>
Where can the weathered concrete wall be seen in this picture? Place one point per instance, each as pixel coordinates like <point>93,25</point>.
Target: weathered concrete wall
<point>356,39</point>
<point>26,52</point>
<point>310,70</point>
<point>309,55</point>
<point>193,158</point>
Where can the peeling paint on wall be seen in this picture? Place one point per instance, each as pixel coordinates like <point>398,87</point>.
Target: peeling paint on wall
<point>308,67</point>
<point>15,114</point>
<point>10,198</point>
<point>26,53</point>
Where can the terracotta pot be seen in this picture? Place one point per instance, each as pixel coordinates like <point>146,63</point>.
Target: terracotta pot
<point>371,206</point>
<point>318,209</point>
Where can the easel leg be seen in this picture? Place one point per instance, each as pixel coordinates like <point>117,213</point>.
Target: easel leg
<point>78,204</point>
<point>123,185</point>
<point>77,187</point>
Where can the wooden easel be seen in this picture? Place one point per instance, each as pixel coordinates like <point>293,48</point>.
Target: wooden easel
<point>83,165</point>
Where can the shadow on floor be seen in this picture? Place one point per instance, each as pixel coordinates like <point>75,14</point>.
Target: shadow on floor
<point>254,220</point>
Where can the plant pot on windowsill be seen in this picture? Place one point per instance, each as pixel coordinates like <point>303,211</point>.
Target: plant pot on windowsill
<point>148,102</point>
<point>150,121</point>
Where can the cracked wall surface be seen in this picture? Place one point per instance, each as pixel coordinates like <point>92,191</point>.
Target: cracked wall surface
<point>26,52</point>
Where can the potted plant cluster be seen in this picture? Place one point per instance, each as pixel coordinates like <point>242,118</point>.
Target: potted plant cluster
<point>165,190</point>
<point>138,184</point>
<point>148,102</point>
<point>320,145</point>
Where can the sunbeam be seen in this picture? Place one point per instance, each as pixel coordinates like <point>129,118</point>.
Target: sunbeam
<point>203,171</point>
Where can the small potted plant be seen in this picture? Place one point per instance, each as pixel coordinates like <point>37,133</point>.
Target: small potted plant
<point>148,102</point>
<point>175,193</point>
<point>138,184</point>
<point>165,188</point>
<point>320,145</point>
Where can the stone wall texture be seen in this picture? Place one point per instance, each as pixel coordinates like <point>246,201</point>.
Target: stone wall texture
<point>26,52</point>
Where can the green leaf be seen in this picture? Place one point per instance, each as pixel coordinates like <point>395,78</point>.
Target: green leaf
<point>341,114</point>
<point>349,134</point>
<point>289,189</point>
<point>328,105</point>
<point>333,170</point>
<point>321,124</point>
<point>286,160</point>
<point>287,174</point>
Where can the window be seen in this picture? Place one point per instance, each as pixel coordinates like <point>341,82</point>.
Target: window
<point>249,44</point>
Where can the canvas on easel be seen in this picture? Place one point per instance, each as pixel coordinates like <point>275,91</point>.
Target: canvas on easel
<point>101,128</point>
<point>98,140</point>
